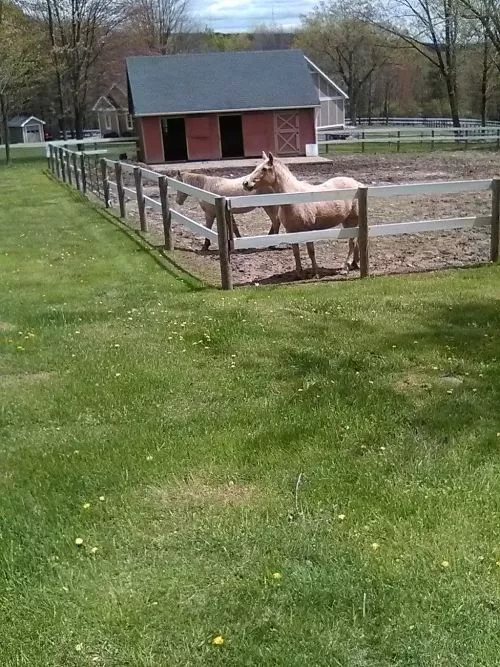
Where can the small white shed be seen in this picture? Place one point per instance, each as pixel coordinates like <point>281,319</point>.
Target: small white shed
<point>26,130</point>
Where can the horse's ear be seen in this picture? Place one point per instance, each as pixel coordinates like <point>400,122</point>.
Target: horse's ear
<point>179,175</point>
<point>264,156</point>
<point>270,158</point>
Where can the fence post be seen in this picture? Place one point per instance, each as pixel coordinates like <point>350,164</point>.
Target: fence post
<point>363,232</point>
<point>105,182</point>
<point>398,145</point>
<point>68,167</point>
<point>432,141</point>
<point>83,174</point>
<point>495,219</point>
<point>498,138</point>
<point>362,142</point>
<point>57,162</point>
<point>165,212</point>
<point>222,232</point>
<point>119,187</point>
<point>75,167</point>
<point>63,167</point>
<point>96,173</point>
<point>141,202</point>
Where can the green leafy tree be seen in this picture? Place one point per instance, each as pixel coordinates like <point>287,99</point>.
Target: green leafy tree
<point>19,62</point>
<point>346,46</point>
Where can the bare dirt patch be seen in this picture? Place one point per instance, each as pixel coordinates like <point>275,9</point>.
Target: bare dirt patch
<point>408,253</point>
<point>423,380</point>
<point>197,492</point>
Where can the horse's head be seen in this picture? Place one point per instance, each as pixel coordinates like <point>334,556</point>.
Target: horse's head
<point>180,197</point>
<point>263,175</point>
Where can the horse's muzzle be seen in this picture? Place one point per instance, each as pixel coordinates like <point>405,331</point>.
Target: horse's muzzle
<point>247,186</point>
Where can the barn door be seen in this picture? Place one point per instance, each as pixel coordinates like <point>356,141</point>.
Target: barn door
<point>287,133</point>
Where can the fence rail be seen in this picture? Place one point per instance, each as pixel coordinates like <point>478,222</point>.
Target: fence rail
<point>462,136</point>
<point>91,174</point>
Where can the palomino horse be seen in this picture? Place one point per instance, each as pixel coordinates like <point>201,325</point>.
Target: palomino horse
<point>226,187</point>
<point>305,217</point>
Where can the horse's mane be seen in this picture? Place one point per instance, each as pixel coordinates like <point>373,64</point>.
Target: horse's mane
<point>291,182</point>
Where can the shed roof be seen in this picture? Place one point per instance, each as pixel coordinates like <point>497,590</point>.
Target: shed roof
<point>223,81</point>
<point>24,119</point>
<point>115,98</point>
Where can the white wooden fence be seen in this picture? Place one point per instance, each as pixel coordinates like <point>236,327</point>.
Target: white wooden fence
<point>462,136</point>
<point>73,168</point>
<point>90,173</point>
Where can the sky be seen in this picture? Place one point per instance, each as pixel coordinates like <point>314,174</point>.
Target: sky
<point>242,15</point>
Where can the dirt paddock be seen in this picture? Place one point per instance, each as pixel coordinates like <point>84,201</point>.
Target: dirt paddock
<point>407,253</point>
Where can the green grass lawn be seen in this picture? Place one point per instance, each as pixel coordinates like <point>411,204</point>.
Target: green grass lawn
<point>312,473</point>
<point>25,154</point>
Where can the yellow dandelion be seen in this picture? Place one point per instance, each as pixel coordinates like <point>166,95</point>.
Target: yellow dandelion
<point>78,541</point>
<point>497,563</point>
<point>341,517</point>
<point>93,550</point>
<point>149,458</point>
<point>375,546</point>
<point>101,498</point>
<point>86,506</point>
<point>218,640</point>
<point>277,576</point>
<point>445,564</point>
<point>78,647</point>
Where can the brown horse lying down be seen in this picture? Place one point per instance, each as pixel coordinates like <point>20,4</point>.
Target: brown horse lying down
<point>275,174</point>
<point>226,187</point>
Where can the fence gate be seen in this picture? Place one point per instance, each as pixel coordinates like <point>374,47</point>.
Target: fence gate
<point>287,133</point>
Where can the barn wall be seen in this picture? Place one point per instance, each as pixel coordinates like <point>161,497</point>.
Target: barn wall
<point>307,129</point>
<point>202,135</point>
<point>151,139</point>
<point>258,132</point>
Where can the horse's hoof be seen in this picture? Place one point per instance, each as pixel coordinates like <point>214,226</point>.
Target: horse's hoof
<point>205,247</point>
<point>353,266</point>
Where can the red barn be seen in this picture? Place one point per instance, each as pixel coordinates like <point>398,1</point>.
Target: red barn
<point>208,106</point>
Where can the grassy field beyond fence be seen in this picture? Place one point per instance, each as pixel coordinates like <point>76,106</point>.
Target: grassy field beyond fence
<point>276,476</point>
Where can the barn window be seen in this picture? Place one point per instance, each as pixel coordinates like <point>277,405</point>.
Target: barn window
<point>107,121</point>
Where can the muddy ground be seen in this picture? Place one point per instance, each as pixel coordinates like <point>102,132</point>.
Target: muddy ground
<point>408,253</point>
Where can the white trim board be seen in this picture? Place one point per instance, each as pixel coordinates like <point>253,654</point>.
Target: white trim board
<point>327,78</point>
<point>228,111</point>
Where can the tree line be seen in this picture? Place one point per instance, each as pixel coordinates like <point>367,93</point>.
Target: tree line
<point>392,57</point>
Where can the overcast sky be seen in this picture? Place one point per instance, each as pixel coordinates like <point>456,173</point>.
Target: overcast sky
<point>236,15</point>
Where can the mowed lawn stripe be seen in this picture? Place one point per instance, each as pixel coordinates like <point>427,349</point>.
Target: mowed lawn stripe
<point>311,473</point>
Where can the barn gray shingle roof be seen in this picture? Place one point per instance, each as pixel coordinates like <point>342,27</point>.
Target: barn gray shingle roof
<point>226,81</point>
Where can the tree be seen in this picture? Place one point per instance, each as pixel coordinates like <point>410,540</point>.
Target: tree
<point>159,22</point>
<point>432,28</point>
<point>78,31</point>
<point>344,45</point>
<point>19,62</point>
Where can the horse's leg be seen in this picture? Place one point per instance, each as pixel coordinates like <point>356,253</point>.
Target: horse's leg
<point>209,223</point>
<point>236,231</point>
<point>298,263</point>
<point>272,213</point>
<point>355,255</point>
<point>312,256</point>
<point>352,221</point>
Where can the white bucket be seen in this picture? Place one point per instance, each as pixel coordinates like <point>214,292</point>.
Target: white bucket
<point>312,150</point>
